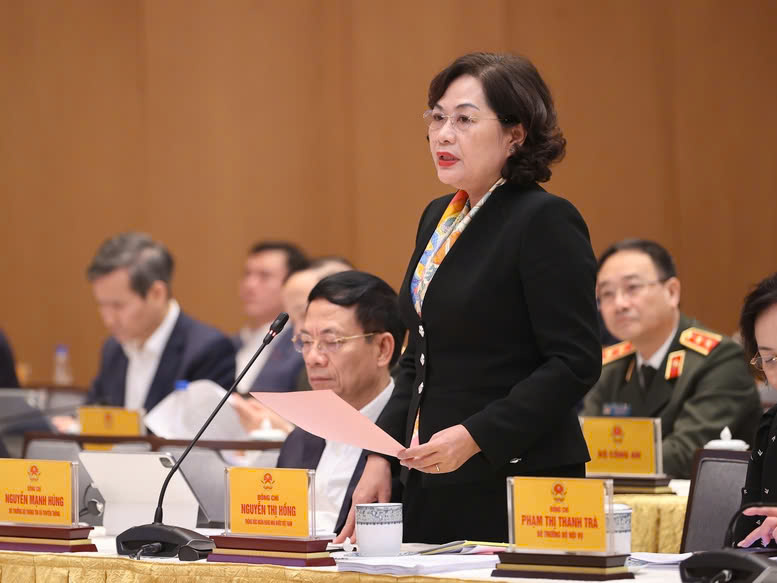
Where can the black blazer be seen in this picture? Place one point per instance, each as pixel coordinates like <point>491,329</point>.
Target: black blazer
<point>194,351</point>
<point>509,340</point>
<point>8,378</point>
<point>761,480</point>
<point>303,450</point>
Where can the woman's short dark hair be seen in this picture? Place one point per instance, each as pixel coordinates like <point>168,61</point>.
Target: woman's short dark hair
<point>661,258</point>
<point>762,297</point>
<point>146,260</point>
<point>377,307</point>
<point>518,95</point>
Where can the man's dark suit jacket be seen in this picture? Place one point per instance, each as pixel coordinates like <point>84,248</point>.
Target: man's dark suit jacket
<point>8,378</point>
<point>304,450</point>
<point>282,368</point>
<point>194,351</point>
<point>509,339</point>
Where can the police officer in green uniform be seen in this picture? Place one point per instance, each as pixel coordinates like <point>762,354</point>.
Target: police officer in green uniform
<point>668,366</point>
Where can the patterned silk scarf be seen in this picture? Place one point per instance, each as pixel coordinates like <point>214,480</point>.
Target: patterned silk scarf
<point>454,220</point>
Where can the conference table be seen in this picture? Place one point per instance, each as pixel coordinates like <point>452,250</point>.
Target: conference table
<point>656,521</point>
<point>106,566</point>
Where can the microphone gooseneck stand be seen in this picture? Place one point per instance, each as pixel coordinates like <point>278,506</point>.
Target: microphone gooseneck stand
<point>164,540</point>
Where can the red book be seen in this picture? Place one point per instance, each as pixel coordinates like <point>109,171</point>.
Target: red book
<point>225,541</point>
<point>43,548</point>
<point>257,560</point>
<point>58,532</point>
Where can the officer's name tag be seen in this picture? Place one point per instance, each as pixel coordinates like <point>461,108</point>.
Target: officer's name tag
<point>38,492</point>
<point>112,421</point>
<point>559,514</point>
<point>616,410</point>
<point>623,445</point>
<point>270,502</point>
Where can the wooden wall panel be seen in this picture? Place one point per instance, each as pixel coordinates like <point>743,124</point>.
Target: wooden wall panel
<point>215,124</point>
<point>725,90</point>
<point>71,166</point>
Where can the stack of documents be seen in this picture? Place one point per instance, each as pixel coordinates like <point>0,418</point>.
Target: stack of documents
<point>414,564</point>
<point>465,547</point>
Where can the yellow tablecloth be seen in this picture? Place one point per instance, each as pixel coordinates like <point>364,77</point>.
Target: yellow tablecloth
<point>50,568</point>
<point>656,521</point>
<point>64,568</point>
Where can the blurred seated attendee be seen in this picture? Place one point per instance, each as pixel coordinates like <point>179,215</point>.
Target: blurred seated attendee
<point>296,288</point>
<point>267,266</point>
<point>294,293</point>
<point>758,326</point>
<point>153,343</point>
<point>8,378</point>
<point>768,396</point>
<point>256,417</point>
<point>350,338</point>
<point>668,365</point>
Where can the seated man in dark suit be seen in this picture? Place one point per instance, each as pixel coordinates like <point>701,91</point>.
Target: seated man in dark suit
<point>351,337</point>
<point>153,343</point>
<point>8,378</point>
<point>668,366</point>
<point>266,268</point>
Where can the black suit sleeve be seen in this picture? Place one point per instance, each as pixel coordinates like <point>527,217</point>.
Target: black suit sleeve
<point>99,390</point>
<point>558,274</point>
<point>215,362</point>
<point>8,378</point>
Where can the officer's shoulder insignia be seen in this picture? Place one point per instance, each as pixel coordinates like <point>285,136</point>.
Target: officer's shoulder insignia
<point>617,351</point>
<point>702,341</point>
<point>674,364</point>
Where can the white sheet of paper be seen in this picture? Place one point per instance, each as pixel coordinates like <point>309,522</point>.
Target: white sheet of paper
<point>181,414</point>
<point>661,558</point>
<point>326,415</point>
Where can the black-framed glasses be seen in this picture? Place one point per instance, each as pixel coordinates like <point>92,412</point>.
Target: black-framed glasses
<point>758,362</point>
<point>325,344</point>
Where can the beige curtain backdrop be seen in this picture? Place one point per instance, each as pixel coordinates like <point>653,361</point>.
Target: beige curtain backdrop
<point>212,124</point>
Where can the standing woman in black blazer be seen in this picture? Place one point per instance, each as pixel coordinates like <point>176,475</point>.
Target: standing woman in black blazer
<point>758,325</point>
<point>499,301</point>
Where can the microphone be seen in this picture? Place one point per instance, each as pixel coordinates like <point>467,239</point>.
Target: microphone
<point>163,540</point>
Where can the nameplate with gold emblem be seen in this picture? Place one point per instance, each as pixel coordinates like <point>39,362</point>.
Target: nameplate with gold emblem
<point>39,492</point>
<point>560,514</point>
<point>270,502</point>
<point>623,446</point>
<point>110,421</point>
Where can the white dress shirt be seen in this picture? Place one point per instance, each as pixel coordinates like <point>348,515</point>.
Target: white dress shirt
<point>144,359</point>
<point>252,340</point>
<point>656,360</point>
<point>336,466</point>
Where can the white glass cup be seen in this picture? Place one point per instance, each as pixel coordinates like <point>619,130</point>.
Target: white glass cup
<point>379,529</point>
<point>621,526</point>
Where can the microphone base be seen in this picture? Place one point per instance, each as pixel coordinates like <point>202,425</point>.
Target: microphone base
<point>175,540</point>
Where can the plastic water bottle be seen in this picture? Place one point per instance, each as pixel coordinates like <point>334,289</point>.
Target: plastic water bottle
<point>63,374</point>
<point>179,398</point>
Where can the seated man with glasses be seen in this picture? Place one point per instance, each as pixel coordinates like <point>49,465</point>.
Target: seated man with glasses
<point>668,366</point>
<point>350,338</point>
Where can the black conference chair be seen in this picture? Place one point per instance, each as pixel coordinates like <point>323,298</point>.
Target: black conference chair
<point>716,491</point>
